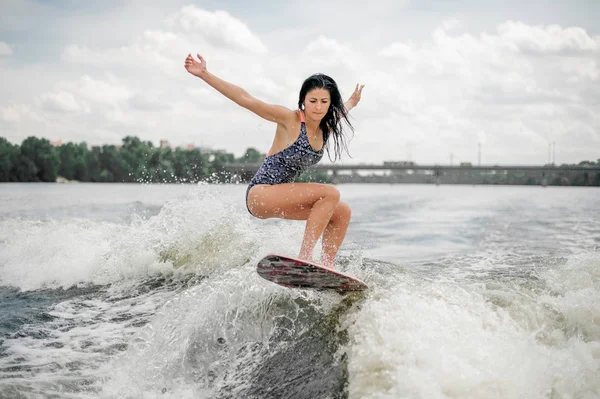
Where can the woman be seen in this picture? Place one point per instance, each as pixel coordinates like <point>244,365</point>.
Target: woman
<point>299,141</point>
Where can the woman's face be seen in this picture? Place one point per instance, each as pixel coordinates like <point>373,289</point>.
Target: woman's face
<point>316,103</point>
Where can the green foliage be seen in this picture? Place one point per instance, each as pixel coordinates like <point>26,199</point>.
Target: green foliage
<point>314,177</point>
<point>73,161</point>
<point>252,156</point>
<point>134,161</point>
<point>216,161</point>
<point>36,160</point>
<point>9,156</point>
<point>42,154</point>
<point>24,169</point>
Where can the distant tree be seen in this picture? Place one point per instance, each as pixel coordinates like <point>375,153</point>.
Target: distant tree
<point>216,162</point>
<point>43,156</point>
<point>135,153</point>
<point>314,177</point>
<point>80,170</point>
<point>93,164</point>
<point>73,161</point>
<point>9,154</point>
<point>251,156</point>
<point>80,167</point>
<point>136,160</point>
<point>112,165</point>
<point>24,170</point>
<point>156,167</point>
<point>106,176</point>
<point>188,165</point>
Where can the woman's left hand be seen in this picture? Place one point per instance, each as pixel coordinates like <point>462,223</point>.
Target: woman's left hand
<point>355,97</point>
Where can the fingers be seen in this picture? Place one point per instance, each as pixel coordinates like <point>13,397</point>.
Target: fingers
<point>189,58</point>
<point>195,67</point>
<point>189,61</point>
<point>358,89</point>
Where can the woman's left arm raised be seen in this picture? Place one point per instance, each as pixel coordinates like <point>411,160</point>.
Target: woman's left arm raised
<point>354,98</point>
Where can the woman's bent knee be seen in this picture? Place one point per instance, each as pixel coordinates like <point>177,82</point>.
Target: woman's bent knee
<point>342,213</point>
<point>332,194</point>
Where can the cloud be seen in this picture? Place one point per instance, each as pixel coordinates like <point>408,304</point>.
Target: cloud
<point>5,49</point>
<point>324,46</point>
<point>85,95</point>
<point>218,29</point>
<point>475,87</point>
<point>62,102</point>
<point>397,50</point>
<point>148,103</point>
<point>109,91</point>
<point>10,114</point>
<point>512,86</point>
<point>154,49</point>
<point>546,39</point>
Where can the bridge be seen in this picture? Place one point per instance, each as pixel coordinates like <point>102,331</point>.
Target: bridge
<point>242,168</point>
<point>406,172</point>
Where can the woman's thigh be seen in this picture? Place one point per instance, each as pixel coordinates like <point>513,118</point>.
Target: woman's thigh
<point>289,200</point>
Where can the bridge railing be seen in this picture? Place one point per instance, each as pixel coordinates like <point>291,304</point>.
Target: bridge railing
<point>239,168</point>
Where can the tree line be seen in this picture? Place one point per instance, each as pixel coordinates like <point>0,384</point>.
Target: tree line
<point>37,160</point>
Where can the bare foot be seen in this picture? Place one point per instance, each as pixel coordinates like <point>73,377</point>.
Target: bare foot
<point>328,263</point>
<point>306,258</point>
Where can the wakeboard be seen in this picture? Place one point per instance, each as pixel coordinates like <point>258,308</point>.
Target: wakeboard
<point>296,273</point>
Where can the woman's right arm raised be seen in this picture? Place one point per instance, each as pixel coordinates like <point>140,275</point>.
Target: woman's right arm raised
<point>272,113</point>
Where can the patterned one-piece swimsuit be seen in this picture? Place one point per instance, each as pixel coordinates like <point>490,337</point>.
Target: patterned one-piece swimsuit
<point>286,165</point>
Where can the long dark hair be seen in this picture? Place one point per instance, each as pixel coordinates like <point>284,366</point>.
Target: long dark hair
<point>331,124</point>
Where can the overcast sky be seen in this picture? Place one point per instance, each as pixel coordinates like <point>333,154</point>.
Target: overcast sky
<point>441,76</point>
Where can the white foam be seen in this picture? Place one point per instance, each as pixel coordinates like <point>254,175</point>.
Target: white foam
<point>445,339</point>
<point>199,333</point>
<point>199,233</point>
<point>449,335</point>
<point>574,292</point>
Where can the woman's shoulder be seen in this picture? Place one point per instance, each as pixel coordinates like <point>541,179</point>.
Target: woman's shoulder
<point>292,119</point>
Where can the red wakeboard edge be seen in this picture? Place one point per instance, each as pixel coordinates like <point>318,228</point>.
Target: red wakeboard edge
<point>295,273</point>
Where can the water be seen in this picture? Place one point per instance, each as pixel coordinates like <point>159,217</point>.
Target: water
<point>149,291</point>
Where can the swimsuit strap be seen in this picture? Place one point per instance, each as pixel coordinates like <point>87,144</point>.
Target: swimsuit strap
<point>301,121</point>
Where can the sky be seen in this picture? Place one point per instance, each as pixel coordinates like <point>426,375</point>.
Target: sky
<point>442,77</point>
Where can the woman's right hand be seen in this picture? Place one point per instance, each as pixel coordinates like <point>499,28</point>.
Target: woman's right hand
<point>196,68</point>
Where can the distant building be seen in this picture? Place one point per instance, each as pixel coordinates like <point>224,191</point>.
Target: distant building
<point>56,143</point>
<point>164,144</point>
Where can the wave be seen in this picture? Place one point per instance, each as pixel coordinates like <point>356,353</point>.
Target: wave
<point>199,233</point>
